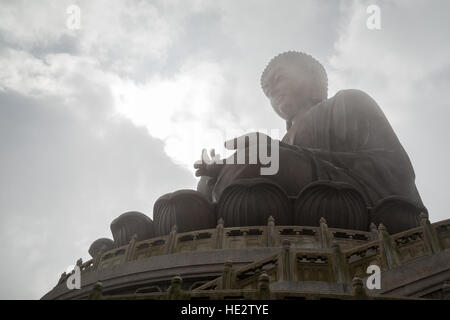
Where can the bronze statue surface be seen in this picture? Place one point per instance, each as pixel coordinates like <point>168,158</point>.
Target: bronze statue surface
<point>345,140</point>
<point>339,160</point>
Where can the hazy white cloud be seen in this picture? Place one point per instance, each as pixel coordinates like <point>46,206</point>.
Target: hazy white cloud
<point>180,109</point>
<point>64,179</point>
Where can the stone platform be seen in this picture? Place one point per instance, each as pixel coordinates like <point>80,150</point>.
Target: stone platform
<point>295,261</point>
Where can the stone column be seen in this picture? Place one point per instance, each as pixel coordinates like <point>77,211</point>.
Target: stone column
<point>325,237</point>
<point>130,249</point>
<point>96,293</point>
<point>430,234</point>
<point>227,276</point>
<point>271,236</point>
<point>373,232</point>
<point>359,292</point>
<point>171,241</point>
<point>219,234</point>
<point>264,286</point>
<point>79,263</point>
<point>285,262</point>
<point>98,258</point>
<point>62,278</point>
<point>175,292</point>
<point>388,251</point>
<point>339,264</point>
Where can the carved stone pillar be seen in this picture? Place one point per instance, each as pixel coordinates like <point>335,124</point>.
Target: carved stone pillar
<point>174,292</point>
<point>271,236</point>
<point>285,262</point>
<point>264,286</point>
<point>325,237</point>
<point>98,258</point>
<point>359,292</point>
<point>388,251</point>
<point>130,248</point>
<point>339,264</point>
<point>227,276</point>
<point>373,231</point>
<point>219,234</point>
<point>96,293</point>
<point>431,236</point>
<point>171,242</point>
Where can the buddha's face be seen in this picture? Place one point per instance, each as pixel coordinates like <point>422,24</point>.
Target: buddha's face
<point>288,92</point>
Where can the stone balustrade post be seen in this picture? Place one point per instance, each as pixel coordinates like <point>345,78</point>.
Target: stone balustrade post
<point>430,234</point>
<point>219,234</point>
<point>227,276</point>
<point>171,241</point>
<point>264,286</point>
<point>62,278</point>
<point>271,233</point>
<point>339,264</point>
<point>175,292</point>
<point>79,263</point>
<point>285,262</point>
<point>130,249</point>
<point>97,292</point>
<point>98,258</point>
<point>373,231</point>
<point>359,292</point>
<point>388,250</point>
<point>324,233</point>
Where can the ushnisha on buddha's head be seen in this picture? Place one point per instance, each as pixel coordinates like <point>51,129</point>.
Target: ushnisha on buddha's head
<point>294,82</point>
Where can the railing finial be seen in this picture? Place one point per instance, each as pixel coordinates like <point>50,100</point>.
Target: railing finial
<point>358,288</point>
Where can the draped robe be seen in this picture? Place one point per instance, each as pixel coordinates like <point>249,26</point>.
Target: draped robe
<point>346,138</point>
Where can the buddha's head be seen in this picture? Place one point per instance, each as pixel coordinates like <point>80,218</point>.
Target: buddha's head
<point>293,82</point>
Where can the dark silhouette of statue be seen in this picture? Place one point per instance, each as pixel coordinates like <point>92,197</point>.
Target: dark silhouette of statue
<point>340,159</point>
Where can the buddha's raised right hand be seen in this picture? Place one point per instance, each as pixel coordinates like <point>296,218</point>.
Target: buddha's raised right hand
<point>209,166</point>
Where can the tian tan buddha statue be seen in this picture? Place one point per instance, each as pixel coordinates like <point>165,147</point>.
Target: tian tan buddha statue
<point>340,159</point>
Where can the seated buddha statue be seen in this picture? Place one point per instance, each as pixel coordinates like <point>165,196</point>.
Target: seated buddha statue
<point>340,159</point>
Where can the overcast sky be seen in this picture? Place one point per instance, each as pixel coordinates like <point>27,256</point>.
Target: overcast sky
<point>105,119</point>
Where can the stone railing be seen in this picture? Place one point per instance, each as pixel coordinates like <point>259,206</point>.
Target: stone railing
<point>334,265</point>
<point>321,253</point>
<point>234,238</point>
<point>391,251</point>
<point>260,291</point>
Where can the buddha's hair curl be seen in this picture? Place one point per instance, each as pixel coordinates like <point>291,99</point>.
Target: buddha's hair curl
<point>310,66</point>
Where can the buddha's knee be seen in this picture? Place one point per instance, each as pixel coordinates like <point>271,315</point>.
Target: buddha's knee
<point>397,214</point>
<point>189,210</point>
<point>129,224</point>
<point>250,202</point>
<point>339,203</point>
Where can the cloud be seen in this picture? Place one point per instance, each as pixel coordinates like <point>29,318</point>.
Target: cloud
<point>64,179</point>
<point>69,165</point>
<point>184,110</point>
